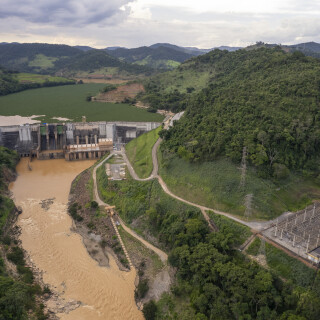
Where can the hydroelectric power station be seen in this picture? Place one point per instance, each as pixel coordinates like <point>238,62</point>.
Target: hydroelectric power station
<point>71,140</point>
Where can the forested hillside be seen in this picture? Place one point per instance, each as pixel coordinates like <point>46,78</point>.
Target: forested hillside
<point>95,60</point>
<point>20,295</point>
<point>158,57</point>
<point>33,57</point>
<point>213,280</point>
<point>52,59</point>
<point>311,49</point>
<point>11,82</point>
<point>8,83</point>
<point>265,100</point>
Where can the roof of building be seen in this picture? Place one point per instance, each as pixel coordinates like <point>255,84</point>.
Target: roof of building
<point>315,252</point>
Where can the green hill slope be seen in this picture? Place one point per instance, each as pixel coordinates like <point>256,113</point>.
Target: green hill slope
<point>33,57</point>
<point>63,60</point>
<point>96,60</point>
<point>264,100</point>
<point>11,82</point>
<point>172,89</point>
<point>158,57</point>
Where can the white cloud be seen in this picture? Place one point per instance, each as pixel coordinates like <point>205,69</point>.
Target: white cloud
<point>64,12</point>
<point>129,23</point>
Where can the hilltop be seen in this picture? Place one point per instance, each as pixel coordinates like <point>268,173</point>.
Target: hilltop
<point>311,49</point>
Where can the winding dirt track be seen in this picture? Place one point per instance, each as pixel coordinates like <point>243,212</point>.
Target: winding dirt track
<point>155,175</point>
<point>162,255</point>
<point>254,225</point>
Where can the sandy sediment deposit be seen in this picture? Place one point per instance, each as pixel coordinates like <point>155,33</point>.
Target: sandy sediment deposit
<point>86,290</point>
<point>17,120</point>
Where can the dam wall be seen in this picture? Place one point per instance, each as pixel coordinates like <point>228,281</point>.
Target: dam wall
<point>71,140</point>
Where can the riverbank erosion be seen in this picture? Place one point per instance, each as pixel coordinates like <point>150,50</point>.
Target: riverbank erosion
<point>95,292</point>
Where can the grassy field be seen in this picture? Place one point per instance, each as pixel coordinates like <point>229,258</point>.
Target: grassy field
<point>148,61</point>
<point>39,78</point>
<point>283,265</point>
<point>70,102</point>
<point>42,61</point>
<point>107,71</point>
<point>139,152</point>
<point>184,77</point>
<point>216,185</point>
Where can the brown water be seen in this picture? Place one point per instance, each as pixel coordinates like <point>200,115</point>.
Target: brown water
<point>105,293</point>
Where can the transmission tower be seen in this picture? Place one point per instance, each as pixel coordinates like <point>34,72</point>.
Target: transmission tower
<point>243,168</point>
<point>248,205</point>
<point>262,249</point>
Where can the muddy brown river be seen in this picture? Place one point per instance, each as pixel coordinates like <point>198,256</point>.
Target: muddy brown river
<point>103,293</point>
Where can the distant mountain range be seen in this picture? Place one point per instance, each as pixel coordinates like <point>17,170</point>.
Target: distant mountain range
<point>67,60</point>
<point>161,55</point>
<point>157,56</point>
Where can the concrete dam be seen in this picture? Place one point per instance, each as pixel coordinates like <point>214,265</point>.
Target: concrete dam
<point>72,140</point>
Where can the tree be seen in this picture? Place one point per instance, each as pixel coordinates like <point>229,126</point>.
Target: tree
<point>150,310</point>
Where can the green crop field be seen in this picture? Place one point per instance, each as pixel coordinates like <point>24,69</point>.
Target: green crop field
<point>139,152</point>
<point>217,185</point>
<point>70,102</point>
<point>39,78</point>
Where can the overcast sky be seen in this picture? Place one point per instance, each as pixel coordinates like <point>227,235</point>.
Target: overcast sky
<point>201,23</point>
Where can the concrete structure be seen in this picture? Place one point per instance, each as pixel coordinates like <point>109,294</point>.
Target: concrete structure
<point>297,231</point>
<point>72,140</point>
<point>176,117</point>
<point>314,255</point>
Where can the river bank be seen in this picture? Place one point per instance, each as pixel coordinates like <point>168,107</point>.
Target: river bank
<point>59,253</point>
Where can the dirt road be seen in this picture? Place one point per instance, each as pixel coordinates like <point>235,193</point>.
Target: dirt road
<point>162,255</point>
<point>255,225</point>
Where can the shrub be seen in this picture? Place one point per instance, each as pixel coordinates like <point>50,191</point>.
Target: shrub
<point>16,256</point>
<point>94,204</point>
<point>142,289</point>
<point>103,243</point>
<point>149,310</point>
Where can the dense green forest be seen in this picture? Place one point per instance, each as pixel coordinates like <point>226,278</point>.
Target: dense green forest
<point>17,294</point>
<point>213,280</point>
<point>9,82</point>
<point>265,100</point>
<point>95,60</point>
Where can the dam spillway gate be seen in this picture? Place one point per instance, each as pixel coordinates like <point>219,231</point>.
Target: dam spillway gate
<point>71,140</point>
